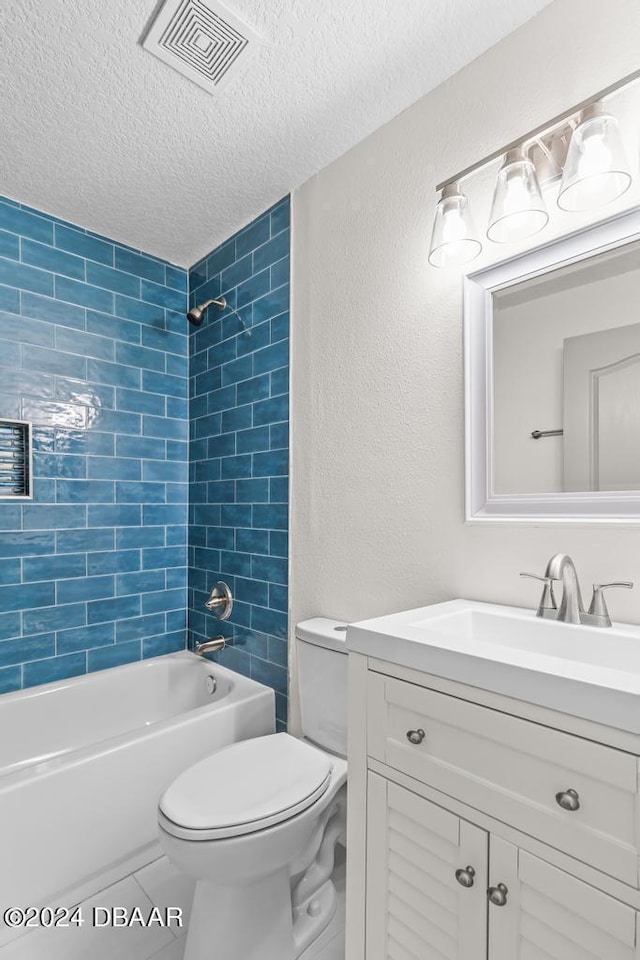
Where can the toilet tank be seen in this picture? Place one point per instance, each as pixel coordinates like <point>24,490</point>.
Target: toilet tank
<point>322,682</point>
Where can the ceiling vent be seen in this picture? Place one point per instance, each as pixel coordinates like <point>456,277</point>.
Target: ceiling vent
<point>201,40</point>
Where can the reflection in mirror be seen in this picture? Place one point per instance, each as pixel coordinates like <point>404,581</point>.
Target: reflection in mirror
<point>566,378</point>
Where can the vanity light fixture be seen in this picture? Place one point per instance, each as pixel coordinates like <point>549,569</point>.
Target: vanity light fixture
<point>518,210</point>
<point>582,145</point>
<point>596,171</point>
<point>454,240</point>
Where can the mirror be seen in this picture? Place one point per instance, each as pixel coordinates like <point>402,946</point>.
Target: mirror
<point>552,357</point>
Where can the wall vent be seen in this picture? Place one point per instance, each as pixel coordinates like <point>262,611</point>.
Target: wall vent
<point>15,460</point>
<point>201,40</point>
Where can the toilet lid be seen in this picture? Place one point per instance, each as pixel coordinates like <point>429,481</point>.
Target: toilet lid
<point>247,786</point>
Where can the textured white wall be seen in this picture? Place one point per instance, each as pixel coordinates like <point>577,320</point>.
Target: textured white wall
<point>377,386</point>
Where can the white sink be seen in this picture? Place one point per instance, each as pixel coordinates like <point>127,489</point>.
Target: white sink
<point>584,671</point>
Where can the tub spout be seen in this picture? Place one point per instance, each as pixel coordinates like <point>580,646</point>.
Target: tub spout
<point>210,646</point>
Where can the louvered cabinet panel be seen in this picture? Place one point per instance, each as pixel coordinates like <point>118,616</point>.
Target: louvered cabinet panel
<point>550,915</point>
<point>416,909</point>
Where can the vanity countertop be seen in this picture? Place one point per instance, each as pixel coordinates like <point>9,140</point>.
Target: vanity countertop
<point>587,672</point>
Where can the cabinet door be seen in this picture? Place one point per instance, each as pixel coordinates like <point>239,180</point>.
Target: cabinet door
<point>416,909</point>
<point>549,915</point>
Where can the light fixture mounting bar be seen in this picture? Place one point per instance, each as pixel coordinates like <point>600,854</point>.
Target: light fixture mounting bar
<point>544,128</point>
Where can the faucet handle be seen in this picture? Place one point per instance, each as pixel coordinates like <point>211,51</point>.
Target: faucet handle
<point>598,605</point>
<point>547,605</point>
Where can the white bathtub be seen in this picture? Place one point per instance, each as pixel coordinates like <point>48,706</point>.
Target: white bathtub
<point>84,761</point>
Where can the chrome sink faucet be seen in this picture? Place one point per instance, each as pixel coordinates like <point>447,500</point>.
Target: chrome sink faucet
<point>571,609</point>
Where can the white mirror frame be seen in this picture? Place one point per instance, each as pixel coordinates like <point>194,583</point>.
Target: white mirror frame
<point>481,503</point>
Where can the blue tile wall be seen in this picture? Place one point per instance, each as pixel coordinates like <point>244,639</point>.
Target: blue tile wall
<point>239,458</point>
<point>94,351</point>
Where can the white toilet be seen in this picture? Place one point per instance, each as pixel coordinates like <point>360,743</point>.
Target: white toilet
<point>256,823</point>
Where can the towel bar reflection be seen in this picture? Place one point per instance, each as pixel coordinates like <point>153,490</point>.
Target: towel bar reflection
<point>538,434</point>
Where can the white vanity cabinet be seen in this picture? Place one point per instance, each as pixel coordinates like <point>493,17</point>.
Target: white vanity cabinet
<point>481,828</point>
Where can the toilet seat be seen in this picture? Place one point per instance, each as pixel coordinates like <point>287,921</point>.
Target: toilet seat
<point>245,787</point>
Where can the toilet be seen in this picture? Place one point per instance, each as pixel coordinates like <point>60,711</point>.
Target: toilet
<point>256,824</point>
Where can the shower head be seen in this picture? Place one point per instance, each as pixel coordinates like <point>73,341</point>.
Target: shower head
<point>196,314</point>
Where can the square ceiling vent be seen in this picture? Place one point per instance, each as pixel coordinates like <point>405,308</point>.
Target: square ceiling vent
<point>203,41</point>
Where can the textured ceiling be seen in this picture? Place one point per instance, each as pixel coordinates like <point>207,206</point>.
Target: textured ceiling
<point>99,132</point>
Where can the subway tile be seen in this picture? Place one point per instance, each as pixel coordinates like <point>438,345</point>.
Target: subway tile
<point>270,464</point>
<point>280,273</point>
<point>140,492</point>
<point>12,328</point>
<point>80,243</point>
<point>39,516</point>
<point>102,371</point>
<point>113,515</point>
<point>272,304</point>
<point>84,588</point>
<point>48,258</point>
<point>85,637</point>
<point>168,341</point>
<point>10,572</point>
<point>254,235</point>
<point>280,214</point>
<point>55,362</point>
<point>163,427</point>
<point>139,627</point>
<point>115,608</point>
<point>52,311</point>
<point>54,618</point>
<point>168,643</point>
<point>143,581</point>
<point>9,245</point>
<point>140,401</point>
<point>151,448</point>
<point>113,656</point>
<point>278,597</point>
<point>270,516</point>
<point>9,299</point>
<point>252,491</point>
<point>54,567</point>
<point>55,668</point>
<point>279,327</point>
<point>163,600</point>
<point>84,491</point>
<point>163,296</point>
<point>28,595</point>
<point>270,411</point>
<point>71,541</point>
<point>84,294</point>
<point>257,388</point>
<point>135,355</point>
<point>85,344</point>
<point>21,275</point>
<point>248,441</point>
<point>271,252</point>
<point>114,468</point>
<point>15,220</point>
<point>106,325</point>
<point>112,561</point>
<point>253,288</point>
<point>10,679</point>
<point>272,622</point>
<point>9,625</point>
<point>137,537</point>
<point>100,275</point>
<point>176,277</point>
<point>164,384</point>
<point>141,266</point>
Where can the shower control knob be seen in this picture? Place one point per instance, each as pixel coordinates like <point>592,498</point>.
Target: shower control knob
<point>465,877</point>
<point>415,736</point>
<point>220,601</point>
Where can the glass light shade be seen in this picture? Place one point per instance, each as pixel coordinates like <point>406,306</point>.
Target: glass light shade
<point>454,240</point>
<point>518,210</point>
<point>596,171</point>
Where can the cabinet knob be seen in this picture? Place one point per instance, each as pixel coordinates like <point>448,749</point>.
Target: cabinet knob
<point>415,736</point>
<point>568,800</point>
<point>465,877</point>
<point>498,895</point>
